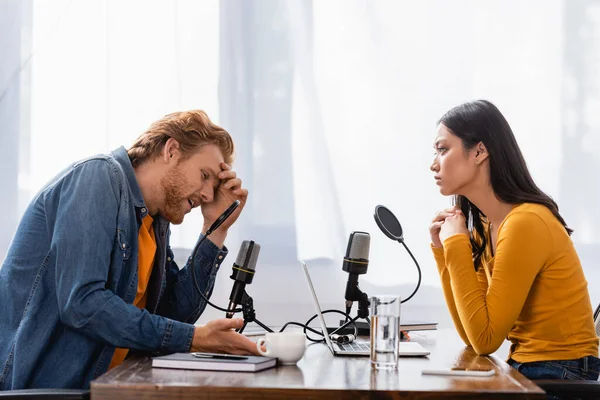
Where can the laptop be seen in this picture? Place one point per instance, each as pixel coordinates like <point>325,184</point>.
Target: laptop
<point>358,347</point>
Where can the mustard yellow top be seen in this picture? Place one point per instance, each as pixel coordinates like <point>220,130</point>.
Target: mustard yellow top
<point>532,292</point>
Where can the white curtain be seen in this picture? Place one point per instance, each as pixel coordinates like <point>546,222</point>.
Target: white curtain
<point>372,79</point>
<point>103,71</point>
<point>332,105</point>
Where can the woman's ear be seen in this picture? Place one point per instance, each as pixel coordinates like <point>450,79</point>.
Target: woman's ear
<point>481,153</point>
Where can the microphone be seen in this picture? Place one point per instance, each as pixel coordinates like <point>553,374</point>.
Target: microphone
<point>243,273</point>
<point>222,217</point>
<point>356,262</point>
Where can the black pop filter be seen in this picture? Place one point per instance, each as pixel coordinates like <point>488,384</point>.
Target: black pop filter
<point>388,223</point>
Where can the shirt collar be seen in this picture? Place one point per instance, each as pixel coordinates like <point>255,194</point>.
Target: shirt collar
<point>122,158</point>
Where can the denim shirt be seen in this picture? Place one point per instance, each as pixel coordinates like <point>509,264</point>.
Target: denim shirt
<point>69,279</point>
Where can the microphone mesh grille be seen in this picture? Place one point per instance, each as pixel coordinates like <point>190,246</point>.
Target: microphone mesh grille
<point>359,245</point>
<point>242,254</point>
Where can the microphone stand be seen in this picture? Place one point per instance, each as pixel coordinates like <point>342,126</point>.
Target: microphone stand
<point>249,313</point>
<point>363,305</point>
<point>355,294</point>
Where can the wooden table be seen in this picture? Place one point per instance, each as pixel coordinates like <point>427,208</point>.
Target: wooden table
<point>320,375</point>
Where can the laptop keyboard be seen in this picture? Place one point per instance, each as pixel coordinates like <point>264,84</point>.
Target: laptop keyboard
<point>354,346</point>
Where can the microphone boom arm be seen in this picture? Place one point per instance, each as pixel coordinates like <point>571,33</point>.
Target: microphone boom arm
<point>418,269</point>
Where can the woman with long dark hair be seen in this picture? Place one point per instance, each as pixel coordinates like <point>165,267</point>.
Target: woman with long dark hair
<point>504,253</point>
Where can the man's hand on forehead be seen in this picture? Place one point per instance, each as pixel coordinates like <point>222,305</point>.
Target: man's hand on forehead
<point>230,181</point>
<point>226,173</point>
<point>229,189</point>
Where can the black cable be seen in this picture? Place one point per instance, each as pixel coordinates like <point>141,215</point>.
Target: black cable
<point>418,269</point>
<point>348,309</point>
<point>192,264</point>
<point>303,326</point>
<point>350,321</point>
<point>308,328</point>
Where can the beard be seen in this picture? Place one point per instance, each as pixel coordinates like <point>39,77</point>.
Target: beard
<point>172,185</point>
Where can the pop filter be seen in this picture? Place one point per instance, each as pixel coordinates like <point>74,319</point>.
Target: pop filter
<point>390,226</point>
<point>388,223</point>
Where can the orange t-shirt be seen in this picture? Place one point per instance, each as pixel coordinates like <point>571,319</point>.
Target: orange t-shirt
<point>146,252</point>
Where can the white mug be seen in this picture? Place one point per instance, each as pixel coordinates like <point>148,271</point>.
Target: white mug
<point>288,347</point>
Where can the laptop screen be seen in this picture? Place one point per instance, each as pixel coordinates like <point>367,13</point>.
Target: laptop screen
<point>405,348</point>
<point>317,307</point>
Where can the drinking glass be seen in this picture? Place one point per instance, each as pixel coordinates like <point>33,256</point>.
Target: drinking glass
<point>385,334</point>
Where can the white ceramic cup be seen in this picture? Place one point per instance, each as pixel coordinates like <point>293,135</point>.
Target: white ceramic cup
<point>288,347</point>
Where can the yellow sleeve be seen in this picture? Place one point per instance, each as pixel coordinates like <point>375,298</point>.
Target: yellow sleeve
<point>438,254</point>
<point>524,244</point>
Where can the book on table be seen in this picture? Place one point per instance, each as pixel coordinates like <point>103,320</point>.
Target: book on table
<point>409,325</point>
<point>214,362</point>
<point>364,329</point>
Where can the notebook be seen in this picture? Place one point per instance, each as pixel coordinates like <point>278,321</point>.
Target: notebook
<point>214,362</point>
<point>418,325</point>
<point>405,325</point>
<point>356,348</point>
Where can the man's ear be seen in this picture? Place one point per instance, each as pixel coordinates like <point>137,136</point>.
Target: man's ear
<point>481,153</point>
<point>171,151</point>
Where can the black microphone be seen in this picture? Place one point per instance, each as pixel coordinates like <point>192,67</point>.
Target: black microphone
<point>356,262</point>
<point>222,217</point>
<point>243,273</point>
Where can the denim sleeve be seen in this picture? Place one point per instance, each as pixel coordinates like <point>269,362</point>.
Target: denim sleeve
<point>181,300</point>
<point>83,209</point>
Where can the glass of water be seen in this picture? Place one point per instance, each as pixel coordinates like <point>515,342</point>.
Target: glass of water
<point>385,335</point>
